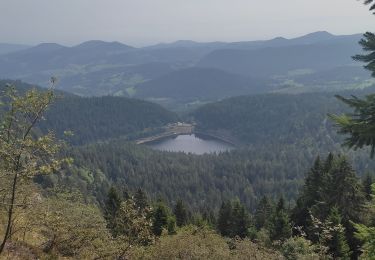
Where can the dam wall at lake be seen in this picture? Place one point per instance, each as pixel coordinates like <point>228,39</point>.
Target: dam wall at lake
<point>177,129</point>
<point>170,131</point>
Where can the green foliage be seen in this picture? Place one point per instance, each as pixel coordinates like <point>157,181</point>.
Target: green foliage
<point>280,228</point>
<point>367,235</point>
<point>180,213</point>
<point>331,184</point>
<point>368,45</point>
<point>296,248</point>
<point>24,153</point>
<point>160,218</point>
<point>367,186</point>
<point>70,227</point>
<point>102,118</point>
<point>202,243</point>
<point>263,213</point>
<point>133,226</point>
<point>111,208</point>
<point>359,126</point>
<point>233,220</point>
<point>140,199</point>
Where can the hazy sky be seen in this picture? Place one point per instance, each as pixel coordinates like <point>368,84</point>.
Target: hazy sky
<point>141,22</point>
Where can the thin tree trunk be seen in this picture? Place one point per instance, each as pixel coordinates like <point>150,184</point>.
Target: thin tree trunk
<point>10,213</point>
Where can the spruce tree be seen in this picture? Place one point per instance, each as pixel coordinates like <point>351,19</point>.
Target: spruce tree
<point>224,222</point>
<point>112,206</point>
<point>140,199</point>
<point>367,189</point>
<point>263,213</point>
<point>281,228</point>
<point>180,213</point>
<point>359,126</point>
<point>160,218</point>
<point>337,244</point>
<point>240,220</point>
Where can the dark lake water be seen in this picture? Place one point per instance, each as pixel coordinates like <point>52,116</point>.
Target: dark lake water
<point>191,144</point>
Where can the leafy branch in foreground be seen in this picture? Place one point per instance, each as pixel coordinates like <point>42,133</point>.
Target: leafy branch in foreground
<point>24,153</point>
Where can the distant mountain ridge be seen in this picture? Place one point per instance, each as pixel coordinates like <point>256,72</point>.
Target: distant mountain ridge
<point>96,68</point>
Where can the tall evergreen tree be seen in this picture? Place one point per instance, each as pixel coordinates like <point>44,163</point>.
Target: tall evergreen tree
<point>240,220</point>
<point>337,244</point>
<point>180,213</point>
<point>367,186</point>
<point>160,218</point>
<point>224,222</point>
<point>140,199</point>
<point>336,185</point>
<point>111,207</point>
<point>311,193</point>
<point>281,228</point>
<point>263,213</point>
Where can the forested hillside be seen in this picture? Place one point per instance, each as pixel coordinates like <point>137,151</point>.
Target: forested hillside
<point>99,118</point>
<point>273,118</point>
<point>200,84</point>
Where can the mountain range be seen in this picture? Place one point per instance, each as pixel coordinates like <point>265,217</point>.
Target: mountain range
<point>187,71</point>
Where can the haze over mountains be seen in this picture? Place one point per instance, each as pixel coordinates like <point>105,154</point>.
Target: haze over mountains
<point>187,71</point>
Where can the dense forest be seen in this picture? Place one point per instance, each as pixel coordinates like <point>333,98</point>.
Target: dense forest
<point>100,118</point>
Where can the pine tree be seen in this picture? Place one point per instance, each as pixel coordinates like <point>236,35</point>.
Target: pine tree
<point>160,218</point>
<point>224,222</point>
<point>181,213</point>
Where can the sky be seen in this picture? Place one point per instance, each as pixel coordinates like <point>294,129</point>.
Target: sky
<point>146,22</point>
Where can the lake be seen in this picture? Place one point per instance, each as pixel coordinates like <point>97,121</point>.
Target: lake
<point>191,144</point>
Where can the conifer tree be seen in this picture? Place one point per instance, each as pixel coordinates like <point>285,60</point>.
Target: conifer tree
<point>337,244</point>
<point>180,213</point>
<point>140,199</point>
<point>263,213</point>
<point>359,126</point>
<point>111,208</point>
<point>224,222</point>
<point>160,218</point>
<point>240,220</point>
<point>280,228</point>
<point>367,186</point>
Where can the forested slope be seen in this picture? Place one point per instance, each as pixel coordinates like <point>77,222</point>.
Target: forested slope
<point>99,118</point>
<point>273,118</point>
